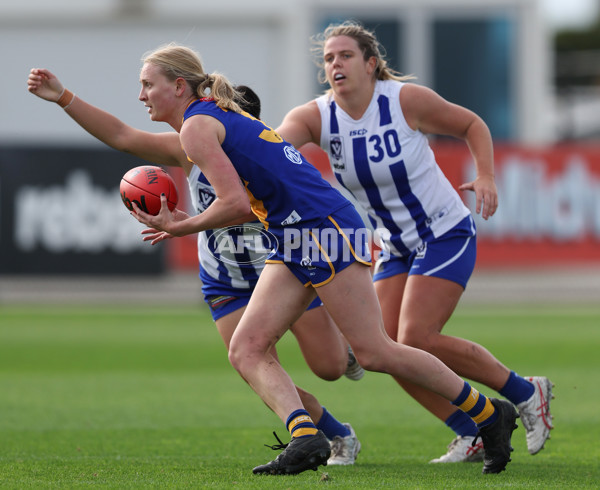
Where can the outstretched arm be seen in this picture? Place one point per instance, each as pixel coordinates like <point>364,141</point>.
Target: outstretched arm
<point>160,148</point>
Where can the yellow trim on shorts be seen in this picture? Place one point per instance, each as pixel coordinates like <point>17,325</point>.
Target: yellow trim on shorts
<point>272,261</point>
<point>328,261</point>
<point>360,261</point>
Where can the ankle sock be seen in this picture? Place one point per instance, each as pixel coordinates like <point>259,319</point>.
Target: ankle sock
<point>517,389</point>
<point>331,427</point>
<point>300,424</point>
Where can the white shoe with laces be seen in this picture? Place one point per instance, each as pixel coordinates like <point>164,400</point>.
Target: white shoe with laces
<point>535,414</point>
<point>354,371</point>
<point>462,450</point>
<point>344,450</point>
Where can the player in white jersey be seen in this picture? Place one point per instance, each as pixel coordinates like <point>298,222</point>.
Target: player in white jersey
<point>373,125</point>
<point>227,282</point>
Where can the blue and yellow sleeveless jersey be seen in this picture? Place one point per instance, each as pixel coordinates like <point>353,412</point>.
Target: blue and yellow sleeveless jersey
<point>284,189</point>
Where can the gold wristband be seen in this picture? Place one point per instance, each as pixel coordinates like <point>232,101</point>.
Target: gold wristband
<point>66,98</point>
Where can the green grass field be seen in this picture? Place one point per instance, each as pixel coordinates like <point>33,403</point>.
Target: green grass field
<point>145,398</point>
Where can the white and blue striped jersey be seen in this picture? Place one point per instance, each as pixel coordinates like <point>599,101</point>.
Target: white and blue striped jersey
<point>223,270</point>
<point>390,170</point>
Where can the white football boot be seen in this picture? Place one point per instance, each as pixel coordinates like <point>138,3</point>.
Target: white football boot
<point>462,450</point>
<point>535,414</point>
<point>344,450</point>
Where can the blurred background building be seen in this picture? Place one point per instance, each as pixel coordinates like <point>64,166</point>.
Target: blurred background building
<point>493,56</point>
<point>530,68</point>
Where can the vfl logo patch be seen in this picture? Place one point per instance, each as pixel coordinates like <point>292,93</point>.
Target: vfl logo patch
<point>421,250</point>
<point>206,195</point>
<point>336,150</point>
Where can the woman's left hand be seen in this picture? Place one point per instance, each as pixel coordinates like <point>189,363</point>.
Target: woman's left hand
<point>486,195</point>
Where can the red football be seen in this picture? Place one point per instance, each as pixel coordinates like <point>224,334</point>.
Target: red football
<point>144,185</point>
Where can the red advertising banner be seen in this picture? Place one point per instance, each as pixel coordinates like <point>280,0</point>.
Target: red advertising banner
<point>548,214</point>
<point>549,204</point>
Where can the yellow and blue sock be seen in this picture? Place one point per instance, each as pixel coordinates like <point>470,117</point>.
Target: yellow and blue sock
<point>331,427</point>
<point>476,406</point>
<point>300,424</point>
<point>461,424</point>
<point>517,389</point>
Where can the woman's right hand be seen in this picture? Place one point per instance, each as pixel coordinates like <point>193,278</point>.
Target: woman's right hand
<point>44,84</point>
<point>155,236</point>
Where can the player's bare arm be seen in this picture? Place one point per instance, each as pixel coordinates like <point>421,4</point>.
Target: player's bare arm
<point>160,148</point>
<point>301,125</point>
<point>430,113</point>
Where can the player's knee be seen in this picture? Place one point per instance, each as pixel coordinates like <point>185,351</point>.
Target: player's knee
<point>234,357</point>
<point>414,337</point>
<point>370,360</point>
<point>329,367</point>
<point>238,354</point>
<point>244,355</point>
<point>329,372</point>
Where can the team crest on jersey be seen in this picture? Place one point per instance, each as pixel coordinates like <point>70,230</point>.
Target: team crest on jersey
<point>206,195</point>
<point>336,151</point>
<point>293,155</point>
